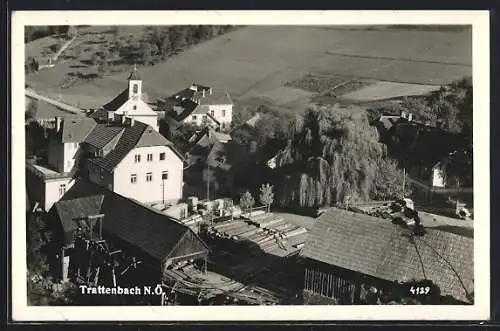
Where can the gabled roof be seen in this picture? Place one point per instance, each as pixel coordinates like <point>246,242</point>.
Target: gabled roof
<point>102,134</point>
<point>188,108</point>
<point>132,136</point>
<point>217,98</point>
<point>141,227</point>
<point>69,211</point>
<point>118,101</point>
<point>76,128</point>
<point>378,248</point>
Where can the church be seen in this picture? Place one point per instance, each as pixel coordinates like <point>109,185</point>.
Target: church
<point>129,103</point>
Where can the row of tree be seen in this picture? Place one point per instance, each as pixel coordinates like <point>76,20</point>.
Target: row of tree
<point>266,198</point>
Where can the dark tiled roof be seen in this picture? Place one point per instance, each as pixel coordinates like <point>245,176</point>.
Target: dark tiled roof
<point>128,141</point>
<point>185,93</point>
<point>225,155</point>
<point>117,102</point>
<point>103,134</point>
<point>76,128</point>
<point>140,226</point>
<point>188,105</point>
<point>217,98</point>
<point>70,211</point>
<point>378,248</point>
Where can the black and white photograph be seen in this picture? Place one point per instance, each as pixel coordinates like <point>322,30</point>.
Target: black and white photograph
<point>327,162</point>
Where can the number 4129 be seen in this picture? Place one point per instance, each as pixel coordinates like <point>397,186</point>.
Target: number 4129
<point>420,290</point>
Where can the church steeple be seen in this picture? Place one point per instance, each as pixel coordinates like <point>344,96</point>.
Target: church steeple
<point>134,84</point>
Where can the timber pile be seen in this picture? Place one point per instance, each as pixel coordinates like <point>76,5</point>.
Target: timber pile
<point>268,232</point>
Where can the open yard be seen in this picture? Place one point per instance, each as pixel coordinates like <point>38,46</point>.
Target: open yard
<point>256,62</point>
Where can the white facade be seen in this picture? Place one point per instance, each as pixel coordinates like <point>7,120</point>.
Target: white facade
<point>223,114</point>
<point>438,178</point>
<point>55,189</point>
<point>62,156</point>
<point>199,119</point>
<point>148,185</point>
<point>136,108</point>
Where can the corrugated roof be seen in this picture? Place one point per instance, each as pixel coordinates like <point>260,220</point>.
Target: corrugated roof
<point>378,248</point>
<point>140,226</point>
<point>76,128</point>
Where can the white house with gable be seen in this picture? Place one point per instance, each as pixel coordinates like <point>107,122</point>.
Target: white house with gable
<point>131,104</point>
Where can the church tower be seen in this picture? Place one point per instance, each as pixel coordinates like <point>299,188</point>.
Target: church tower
<point>134,84</point>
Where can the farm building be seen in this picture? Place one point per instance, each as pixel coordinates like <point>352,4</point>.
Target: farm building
<point>347,252</point>
<point>198,105</point>
<point>158,241</point>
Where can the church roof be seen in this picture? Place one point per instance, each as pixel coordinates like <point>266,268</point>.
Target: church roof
<point>134,75</point>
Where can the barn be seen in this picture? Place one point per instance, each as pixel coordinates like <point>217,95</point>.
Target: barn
<point>127,226</point>
<point>350,254</point>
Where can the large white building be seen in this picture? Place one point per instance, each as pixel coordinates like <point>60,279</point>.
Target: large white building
<point>201,106</point>
<point>131,104</point>
<point>123,155</point>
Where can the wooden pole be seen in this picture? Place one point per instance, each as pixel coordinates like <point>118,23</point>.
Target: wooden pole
<point>404,181</point>
<point>208,181</point>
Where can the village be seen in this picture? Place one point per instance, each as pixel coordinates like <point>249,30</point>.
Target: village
<point>163,193</point>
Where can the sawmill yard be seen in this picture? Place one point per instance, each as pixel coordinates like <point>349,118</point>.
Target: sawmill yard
<point>283,66</point>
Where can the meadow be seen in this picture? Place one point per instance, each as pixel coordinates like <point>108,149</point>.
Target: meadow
<point>256,64</point>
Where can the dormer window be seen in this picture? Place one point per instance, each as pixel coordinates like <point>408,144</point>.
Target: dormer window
<point>135,89</point>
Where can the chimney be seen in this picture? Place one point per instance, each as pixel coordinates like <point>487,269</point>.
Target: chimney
<point>403,114</point>
<point>124,119</point>
<point>210,91</point>
<point>203,92</point>
<point>58,123</point>
<point>410,117</point>
<point>132,121</point>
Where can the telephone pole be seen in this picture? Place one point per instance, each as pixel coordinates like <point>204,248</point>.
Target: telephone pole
<point>404,181</point>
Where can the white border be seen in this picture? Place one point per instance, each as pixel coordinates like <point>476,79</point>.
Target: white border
<point>481,72</point>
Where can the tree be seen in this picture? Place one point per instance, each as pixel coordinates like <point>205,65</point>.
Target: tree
<point>247,201</point>
<point>72,31</point>
<point>266,195</point>
<point>388,183</point>
<point>178,37</point>
<point>94,59</point>
<point>145,51</point>
<point>102,68</point>
<point>334,153</point>
<point>31,109</point>
<point>165,46</point>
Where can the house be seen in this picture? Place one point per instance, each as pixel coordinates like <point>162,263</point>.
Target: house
<point>132,159</point>
<point>199,105</point>
<point>151,237</point>
<point>224,163</point>
<point>130,103</point>
<point>48,181</point>
<point>201,143</point>
<point>346,251</point>
<point>122,155</point>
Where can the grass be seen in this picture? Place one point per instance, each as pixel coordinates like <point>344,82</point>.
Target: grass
<point>256,62</point>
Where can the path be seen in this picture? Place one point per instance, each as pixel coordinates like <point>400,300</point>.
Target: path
<point>32,94</point>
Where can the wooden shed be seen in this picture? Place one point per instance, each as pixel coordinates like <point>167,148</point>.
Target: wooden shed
<point>348,252</point>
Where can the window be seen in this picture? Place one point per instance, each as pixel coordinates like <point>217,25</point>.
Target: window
<point>133,178</point>
<point>212,113</point>
<point>136,88</point>
<point>162,156</point>
<point>204,117</point>
<point>149,177</point>
<point>137,158</point>
<point>150,157</point>
<point>62,189</point>
<point>194,117</point>
<point>134,107</point>
<point>223,112</point>
<point>164,175</point>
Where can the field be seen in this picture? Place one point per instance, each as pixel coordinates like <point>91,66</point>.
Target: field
<point>255,63</point>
